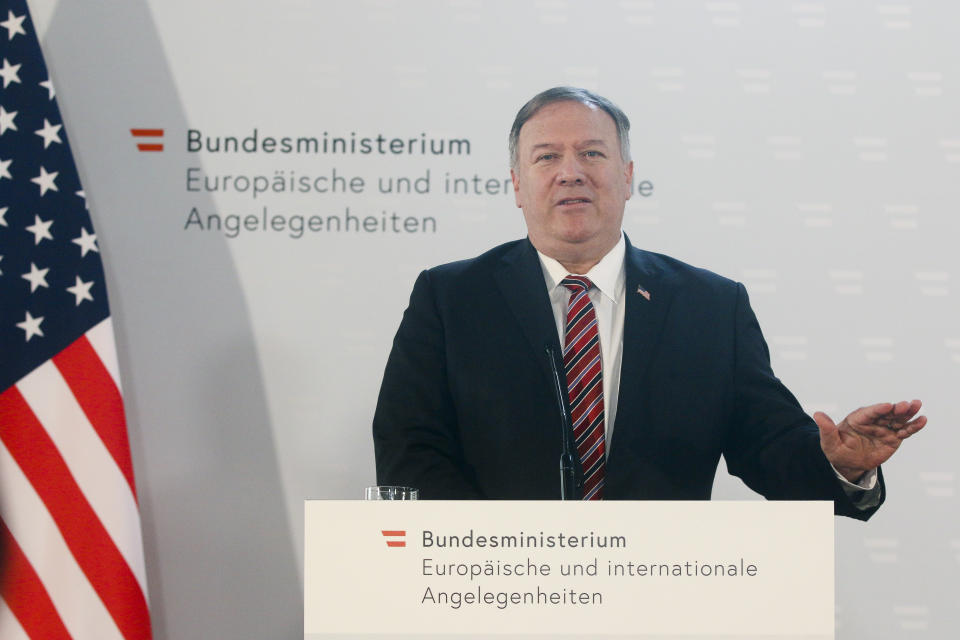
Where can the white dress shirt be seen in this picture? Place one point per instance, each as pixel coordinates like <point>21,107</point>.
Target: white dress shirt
<point>607,295</point>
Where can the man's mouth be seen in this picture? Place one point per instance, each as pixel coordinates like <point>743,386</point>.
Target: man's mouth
<point>568,201</point>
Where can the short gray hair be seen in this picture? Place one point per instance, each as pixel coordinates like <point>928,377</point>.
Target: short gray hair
<point>575,94</point>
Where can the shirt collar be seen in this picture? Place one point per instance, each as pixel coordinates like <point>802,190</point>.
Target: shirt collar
<point>607,275</point>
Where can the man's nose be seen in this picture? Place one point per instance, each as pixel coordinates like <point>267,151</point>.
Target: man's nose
<point>570,172</point>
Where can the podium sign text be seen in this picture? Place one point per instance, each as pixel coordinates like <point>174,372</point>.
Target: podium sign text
<point>568,569</point>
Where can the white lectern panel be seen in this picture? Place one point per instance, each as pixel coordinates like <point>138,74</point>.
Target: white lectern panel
<point>571,570</point>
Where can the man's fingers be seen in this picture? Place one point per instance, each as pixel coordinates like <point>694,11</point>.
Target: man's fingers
<point>881,425</point>
<point>873,412</point>
<point>911,427</point>
<point>879,436</point>
<point>906,409</point>
<point>824,421</point>
<point>892,415</point>
<point>829,433</point>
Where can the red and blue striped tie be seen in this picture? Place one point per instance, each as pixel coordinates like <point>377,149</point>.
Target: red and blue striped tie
<point>581,360</point>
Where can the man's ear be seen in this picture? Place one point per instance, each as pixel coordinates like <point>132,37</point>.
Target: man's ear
<point>516,187</point>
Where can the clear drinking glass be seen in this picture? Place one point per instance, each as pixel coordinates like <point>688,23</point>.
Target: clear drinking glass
<point>391,493</point>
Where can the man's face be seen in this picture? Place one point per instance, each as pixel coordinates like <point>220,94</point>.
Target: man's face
<point>571,182</point>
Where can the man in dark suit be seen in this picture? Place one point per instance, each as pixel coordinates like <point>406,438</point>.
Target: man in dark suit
<point>665,367</point>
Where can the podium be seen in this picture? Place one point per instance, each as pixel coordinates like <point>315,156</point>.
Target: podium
<point>607,569</point>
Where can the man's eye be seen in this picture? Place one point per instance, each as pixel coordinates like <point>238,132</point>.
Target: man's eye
<point>546,156</point>
<point>593,154</point>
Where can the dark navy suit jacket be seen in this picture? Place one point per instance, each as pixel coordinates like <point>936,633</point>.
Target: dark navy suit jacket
<point>467,408</point>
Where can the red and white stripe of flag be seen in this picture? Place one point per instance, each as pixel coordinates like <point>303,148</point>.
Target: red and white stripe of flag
<point>70,526</point>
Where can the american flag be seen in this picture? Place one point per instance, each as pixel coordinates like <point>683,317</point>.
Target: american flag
<point>71,555</point>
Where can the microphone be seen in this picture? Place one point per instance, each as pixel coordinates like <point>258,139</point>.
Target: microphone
<point>568,483</point>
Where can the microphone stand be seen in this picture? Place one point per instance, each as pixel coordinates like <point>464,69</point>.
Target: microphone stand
<point>568,483</point>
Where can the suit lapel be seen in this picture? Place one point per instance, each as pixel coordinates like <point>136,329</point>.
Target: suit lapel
<point>520,280</point>
<point>648,300</point>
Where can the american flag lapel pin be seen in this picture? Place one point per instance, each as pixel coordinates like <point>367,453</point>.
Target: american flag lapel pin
<point>643,292</point>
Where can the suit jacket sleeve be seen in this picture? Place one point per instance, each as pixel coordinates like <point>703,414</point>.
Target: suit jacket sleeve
<point>772,444</point>
<point>415,434</point>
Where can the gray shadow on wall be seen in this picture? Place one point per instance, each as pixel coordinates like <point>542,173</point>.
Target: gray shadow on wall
<point>220,556</point>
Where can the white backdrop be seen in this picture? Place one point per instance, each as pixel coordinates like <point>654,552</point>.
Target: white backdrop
<point>810,150</point>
